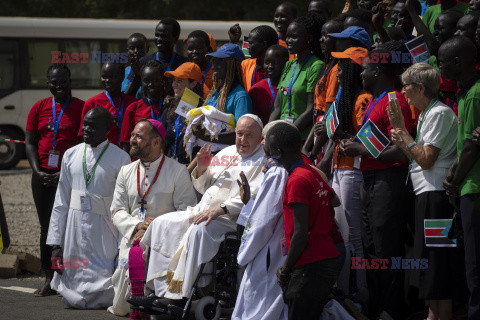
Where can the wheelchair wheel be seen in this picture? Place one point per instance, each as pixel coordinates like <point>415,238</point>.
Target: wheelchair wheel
<point>206,310</point>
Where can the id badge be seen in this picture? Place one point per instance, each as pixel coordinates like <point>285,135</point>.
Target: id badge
<point>289,118</point>
<point>85,204</point>
<point>53,158</point>
<point>357,162</point>
<point>283,243</point>
<point>142,214</point>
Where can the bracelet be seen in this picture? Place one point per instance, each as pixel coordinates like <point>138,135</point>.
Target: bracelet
<point>410,145</point>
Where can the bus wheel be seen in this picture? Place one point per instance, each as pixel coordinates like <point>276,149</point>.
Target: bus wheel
<point>10,153</point>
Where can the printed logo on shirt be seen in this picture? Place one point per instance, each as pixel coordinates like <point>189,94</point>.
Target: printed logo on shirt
<point>50,127</point>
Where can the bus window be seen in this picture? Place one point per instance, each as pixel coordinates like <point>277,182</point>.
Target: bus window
<point>40,58</point>
<point>85,72</point>
<point>7,71</point>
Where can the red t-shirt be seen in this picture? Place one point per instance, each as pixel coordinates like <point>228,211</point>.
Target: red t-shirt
<point>262,99</point>
<point>305,185</point>
<point>379,116</point>
<point>136,111</point>
<point>101,100</point>
<point>40,119</point>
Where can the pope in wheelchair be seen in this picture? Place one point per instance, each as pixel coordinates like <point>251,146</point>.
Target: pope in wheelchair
<point>181,244</point>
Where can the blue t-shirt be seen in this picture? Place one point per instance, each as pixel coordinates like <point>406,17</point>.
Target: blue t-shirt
<point>238,102</point>
<point>126,82</point>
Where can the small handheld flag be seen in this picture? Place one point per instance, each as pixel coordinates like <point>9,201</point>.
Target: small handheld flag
<point>372,138</point>
<point>332,120</point>
<point>418,49</point>
<point>436,233</point>
<point>245,47</point>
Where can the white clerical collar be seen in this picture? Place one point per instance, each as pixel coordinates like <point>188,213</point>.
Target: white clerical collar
<point>155,161</point>
<point>100,145</point>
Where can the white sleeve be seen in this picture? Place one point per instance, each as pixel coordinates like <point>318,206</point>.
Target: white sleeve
<point>266,213</point>
<point>437,128</point>
<point>61,206</point>
<point>121,217</point>
<point>183,194</point>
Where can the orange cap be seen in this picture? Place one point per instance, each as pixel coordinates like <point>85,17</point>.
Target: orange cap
<point>213,44</point>
<point>356,54</point>
<point>188,70</point>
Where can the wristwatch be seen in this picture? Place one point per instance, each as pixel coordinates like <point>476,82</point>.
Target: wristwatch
<point>224,207</point>
<point>410,145</point>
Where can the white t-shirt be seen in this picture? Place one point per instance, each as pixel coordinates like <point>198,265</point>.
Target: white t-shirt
<point>439,129</point>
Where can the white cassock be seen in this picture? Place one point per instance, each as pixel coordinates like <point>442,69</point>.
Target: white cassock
<point>172,191</point>
<point>88,237</point>
<point>260,297</point>
<point>178,247</point>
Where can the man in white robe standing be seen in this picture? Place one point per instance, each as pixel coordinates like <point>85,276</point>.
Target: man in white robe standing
<point>182,241</point>
<point>259,296</point>
<point>145,189</point>
<point>84,240</point>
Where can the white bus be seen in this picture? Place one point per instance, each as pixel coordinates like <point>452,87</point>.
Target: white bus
<point>26,46</point>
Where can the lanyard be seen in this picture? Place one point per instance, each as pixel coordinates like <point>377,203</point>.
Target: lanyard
<point>88,176</point>
<point>292,81</point>
<point>169,67</point>
<point>422,119</point>
<point>178,129</point>
<point>337,98</point>
<point>272,91</point>
<point>56,121</point>
<point>119,114</point>
<point>160,106</point>
<point>205,73</point>
<point>295,165</point>
<point>370,106</point>
<point>142,201</point>
<point>253,76</point>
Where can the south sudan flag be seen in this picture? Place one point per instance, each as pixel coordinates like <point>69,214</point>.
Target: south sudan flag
<point>332,119</point>
<point>372,138</point>
<point>436,233</point>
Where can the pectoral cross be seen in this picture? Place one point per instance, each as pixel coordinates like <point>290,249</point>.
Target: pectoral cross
<point>142,204</point>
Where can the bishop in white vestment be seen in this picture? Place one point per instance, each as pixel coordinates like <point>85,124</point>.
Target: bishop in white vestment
<point>182,241</point>
<point>81,225</point>
<point>172,190</point>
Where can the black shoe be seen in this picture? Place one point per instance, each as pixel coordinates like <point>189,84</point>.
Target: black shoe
<point>142,301</point>
<point>164,302</point>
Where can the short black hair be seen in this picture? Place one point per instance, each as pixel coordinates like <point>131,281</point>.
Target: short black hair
<point>290,6</point>
<point>58,66</point>
<point>103,113</point>
<point>462,46</point>
<point>287,137</point>
<point>154,64</point>
<point>138,35</point>
<point>267,34</point>
<point>200,34</point>
<point>313,23</point>
<point>418,6</point>
<point>174,23</point>
<point>363,16</point>
<point>120,65</point>
<point>280,49</point>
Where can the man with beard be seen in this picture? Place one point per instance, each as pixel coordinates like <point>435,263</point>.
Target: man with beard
<point>84,240</point>
<point>145,189</point>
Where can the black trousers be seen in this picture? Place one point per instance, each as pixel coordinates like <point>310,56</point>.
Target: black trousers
<point>44,198</point>
<point>383,225</point>
<point>309,288</point>
<point>470,212</point>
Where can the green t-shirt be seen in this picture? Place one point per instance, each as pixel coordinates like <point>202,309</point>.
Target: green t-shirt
<point>432,13</point>
<point>468,120</point>
<point>434,63</point>
<point>305,83</point>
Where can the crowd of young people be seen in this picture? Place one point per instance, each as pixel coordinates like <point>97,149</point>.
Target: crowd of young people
<point>380,155</point>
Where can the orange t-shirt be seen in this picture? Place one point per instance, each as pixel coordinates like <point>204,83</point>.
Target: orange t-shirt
<point>208,83</point>
<point>284,44</point>
<point>329,91</point>
<point>344,162</point>
<point>248,67</point>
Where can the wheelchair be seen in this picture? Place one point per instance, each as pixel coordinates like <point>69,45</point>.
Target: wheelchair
<point>218,298</point>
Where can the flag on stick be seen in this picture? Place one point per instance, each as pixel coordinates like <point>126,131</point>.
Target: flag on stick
<point>372,138</point>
